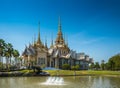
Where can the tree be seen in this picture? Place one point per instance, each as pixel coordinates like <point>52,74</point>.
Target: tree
<point>97,66</point>
<point>10,50</point>
<point>7,58</point>
<point>107,66</point>
<point>16,55</point>
<point>6,50</point>
<point>2,49</point>
<point>8,54</point>
<point>92,66</point>
<point>102,65</point>
<point>114,62</point>
<point>20,61</point>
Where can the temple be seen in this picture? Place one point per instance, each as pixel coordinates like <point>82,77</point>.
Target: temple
<point>56,56</point>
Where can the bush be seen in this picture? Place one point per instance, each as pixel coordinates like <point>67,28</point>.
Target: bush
<point>66,67</point>
<point>12,68</point>
<point>76,67</point>
<point>73,68</point>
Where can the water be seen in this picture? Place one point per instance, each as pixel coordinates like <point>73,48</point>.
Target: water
<point>61,82</point>
<point>54,81</point>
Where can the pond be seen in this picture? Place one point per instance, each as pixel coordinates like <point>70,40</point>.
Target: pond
<point>61,82</point>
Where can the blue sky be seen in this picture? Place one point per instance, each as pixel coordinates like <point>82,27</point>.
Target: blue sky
<point>92,26</point>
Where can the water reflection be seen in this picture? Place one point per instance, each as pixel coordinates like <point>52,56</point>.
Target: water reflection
<point>72,82</point>
<point>54,81</point>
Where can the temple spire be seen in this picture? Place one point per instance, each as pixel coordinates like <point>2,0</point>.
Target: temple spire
<point>59,39</point>
<point>66,40</point>
<point>51,40</point>
<point>59,25</point>
<point>38,40</point>
<point>46,43</point>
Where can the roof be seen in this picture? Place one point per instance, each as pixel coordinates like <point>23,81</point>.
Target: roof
<point>29,51</point>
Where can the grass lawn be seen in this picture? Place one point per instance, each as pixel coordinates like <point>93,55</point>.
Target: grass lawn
<point>69,72</point>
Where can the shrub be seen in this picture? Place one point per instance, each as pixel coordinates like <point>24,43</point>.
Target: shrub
<point>76,67</point>
<point>66,67</point>
<point>73,68</point>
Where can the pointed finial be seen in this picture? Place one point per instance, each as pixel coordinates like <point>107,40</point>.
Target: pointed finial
<point>38,41</point>
<point>46,42</point>
<point>51,40</point>
<point>59,24</point>
<point>39,29</point>
<point>66,40</point>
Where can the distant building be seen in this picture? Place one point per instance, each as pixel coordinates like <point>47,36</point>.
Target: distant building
<point>58,54</point>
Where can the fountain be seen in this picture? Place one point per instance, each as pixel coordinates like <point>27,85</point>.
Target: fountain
<point>54,81</point>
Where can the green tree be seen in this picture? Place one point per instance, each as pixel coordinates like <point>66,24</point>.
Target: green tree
<point>2,49</point>
<point>7,51</point>
<point>97,66</point>
<point>20,60</point>
<point>16,55</point>
<point>8,54</point>
<point>10,50</point>
<point>107,66</point>
<point>103,65</point>
<point>7,58</point>
<point>92,66</point>
<point>114,62</point>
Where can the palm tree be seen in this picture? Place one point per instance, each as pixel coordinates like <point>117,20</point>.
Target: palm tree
<point>20,60</point>
<point>6,50</point>
<point>16,55</point>
<point>10,50</point>
<point>2,49</point>
<point>8,54</point>
<point>7,58</point>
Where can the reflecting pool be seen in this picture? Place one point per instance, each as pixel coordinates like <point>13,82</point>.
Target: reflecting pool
<point>61,82</point>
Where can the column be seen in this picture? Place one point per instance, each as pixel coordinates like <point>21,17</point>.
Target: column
<point>50,62</point>
<point>46,61</point>
<point>56,62</point>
